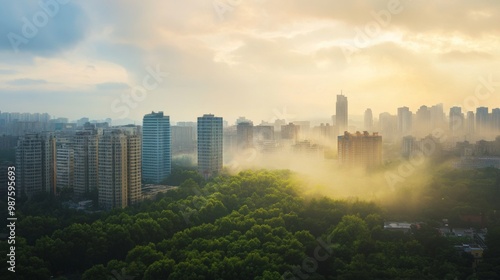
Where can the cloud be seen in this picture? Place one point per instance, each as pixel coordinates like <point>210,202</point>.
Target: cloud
<point>471,18</point>
<point>467,56</point>
<point>263,55</point>
<point>26,82</point>
<point>31,27</point>
<point>112,86</point>
<point>7,72</point>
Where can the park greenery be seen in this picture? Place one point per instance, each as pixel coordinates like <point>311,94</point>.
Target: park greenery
<point>259,225</point>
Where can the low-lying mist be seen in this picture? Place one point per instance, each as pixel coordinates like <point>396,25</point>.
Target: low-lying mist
<point>397,185</point>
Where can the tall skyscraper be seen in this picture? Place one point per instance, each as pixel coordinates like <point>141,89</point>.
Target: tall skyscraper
<point>341,114</point>
<point>368,119</point>
<point>35,164</point>
<point>156,147</point>
<point>482,121</point>
<point>360,149</point>
<point>119,167</point>
<point>456,121</point>
<point>210,148</point>
<point>404,121</point>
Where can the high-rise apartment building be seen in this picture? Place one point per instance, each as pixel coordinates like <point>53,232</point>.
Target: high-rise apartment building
<point>263,132</point>
<point>388,125</point>
<point>64,163</point>
<point>360,149</point>
<point>134,163</point>
<point>437,116</point>
<point>482,121</point>
<point>404,121</point>
<point>423,123</point>
<point>119,167</point>
<point>342,114</point>
<point>495,121</point>
<point>85,149</point>
<point>470,125</point>
<point>456,121</point>
<point>244,131</point>
<point>35,163</point>
<point>290,131</point>
<point>183,139</point>
<point>210,148</point>
<point>156,147</point>
<point>112,189</point>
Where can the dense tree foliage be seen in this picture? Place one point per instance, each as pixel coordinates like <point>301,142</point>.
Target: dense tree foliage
<point>255,225</point>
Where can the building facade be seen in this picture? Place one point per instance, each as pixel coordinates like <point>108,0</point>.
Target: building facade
<point>210,147</point>
<point>35,163</point>
<point>85,150</point>
<point>360,149</point>
<point>119,167</point>
<point>156,148</point>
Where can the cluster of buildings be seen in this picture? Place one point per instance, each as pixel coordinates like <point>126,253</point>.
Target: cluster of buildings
<point>106,160</point>
<point>114,161</point>
<point>117,160</point>
<point>460,126</point>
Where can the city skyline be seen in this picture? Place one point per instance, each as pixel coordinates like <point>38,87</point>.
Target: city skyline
<point>258,57</point>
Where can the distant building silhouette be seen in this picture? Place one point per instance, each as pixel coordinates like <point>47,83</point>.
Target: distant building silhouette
<point>470,125</point>
<point>342,114</point>
<point>290,132</point>
<point>456,121</point>
<point>495,121</point>
<point>404,121</point>
<point>482,121</point>
<point>368,120</point>
<point>183,139</point>
<point>244,131</point>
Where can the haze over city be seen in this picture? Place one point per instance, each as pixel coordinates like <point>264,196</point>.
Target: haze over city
<point>250,139</point>
<point>251,57</point>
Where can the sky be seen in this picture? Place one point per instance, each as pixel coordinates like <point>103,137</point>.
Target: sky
<point>262,59</point>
